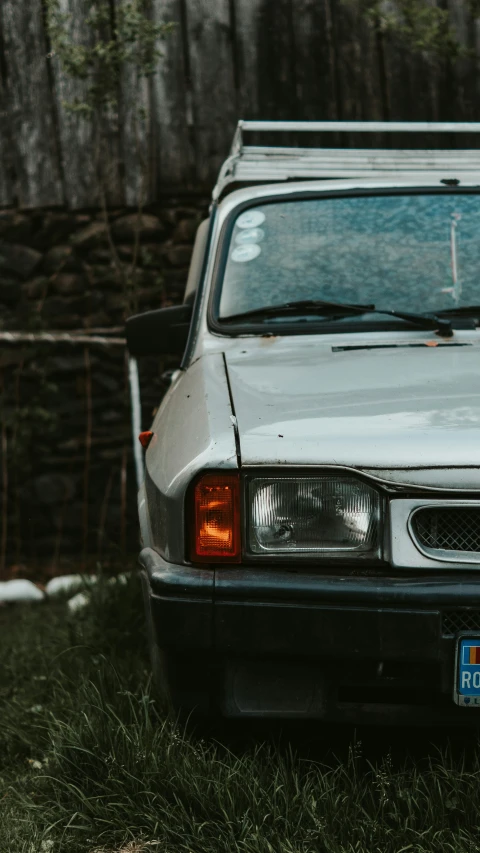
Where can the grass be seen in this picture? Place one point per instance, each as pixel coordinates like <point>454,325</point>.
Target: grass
<point>90,764</point>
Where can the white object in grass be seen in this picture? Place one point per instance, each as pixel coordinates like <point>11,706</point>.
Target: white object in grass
<point>68,583</point>
<point>121,579</point>
<point>20,590</point>
<point>78,602</point>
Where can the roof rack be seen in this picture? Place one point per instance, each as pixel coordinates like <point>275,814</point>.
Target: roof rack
<point>247,164</point>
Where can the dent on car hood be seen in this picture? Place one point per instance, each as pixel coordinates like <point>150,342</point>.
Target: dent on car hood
<point>374,408</point>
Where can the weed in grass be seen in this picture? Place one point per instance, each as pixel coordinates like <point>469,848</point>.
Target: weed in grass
<point>90,764</point>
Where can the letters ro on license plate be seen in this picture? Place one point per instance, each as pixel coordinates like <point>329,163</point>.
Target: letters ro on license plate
<point>467,676</point>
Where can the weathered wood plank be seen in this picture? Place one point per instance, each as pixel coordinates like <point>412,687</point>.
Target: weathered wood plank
<point>465,70</point>
<point>265,63</point>
<point>173,157</point>
<point>29,103</point>
<point>248,21</point>
<point>317,66</point>
<point>83,140</point>
<point>348,34</point>
<point>276,61</point>
<point>336,53</point>
<point>414,81</point>
<point>135,121</point>
<point>314,61</point>
<point>476,46</point>
<point>6,188</point>
<point>360,72</point>
<point>212,78</point>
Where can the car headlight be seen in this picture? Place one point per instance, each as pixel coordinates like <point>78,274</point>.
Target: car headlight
<point>324,515</point>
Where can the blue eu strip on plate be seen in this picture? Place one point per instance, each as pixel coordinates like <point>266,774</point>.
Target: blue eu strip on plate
<point>467,686</point>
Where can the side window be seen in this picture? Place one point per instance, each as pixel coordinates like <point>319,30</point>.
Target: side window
<point>196,263</point>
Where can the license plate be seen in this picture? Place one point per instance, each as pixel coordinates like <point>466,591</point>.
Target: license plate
<point>467,672</point>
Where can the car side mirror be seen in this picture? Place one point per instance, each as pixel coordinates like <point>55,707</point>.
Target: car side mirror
<point>161,332</point>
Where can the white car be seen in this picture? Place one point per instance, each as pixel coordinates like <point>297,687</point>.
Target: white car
<point>310,515</point>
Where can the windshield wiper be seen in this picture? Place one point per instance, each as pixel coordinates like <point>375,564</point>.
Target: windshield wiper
<point>301,306</point>
<point>459,311</point>
<point>435,322</point>
<point>338,310</point>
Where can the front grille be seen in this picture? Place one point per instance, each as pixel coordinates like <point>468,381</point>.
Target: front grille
<point>454,621</point>
<point>448,528</point>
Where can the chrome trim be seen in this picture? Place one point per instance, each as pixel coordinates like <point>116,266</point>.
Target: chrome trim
<point>397,486</point>
<point>404,550</point>
<point>440,553</point>
<point>361,126</point>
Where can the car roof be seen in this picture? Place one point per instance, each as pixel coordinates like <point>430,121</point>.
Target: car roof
<point>261,164</point>
<point>259,192</point>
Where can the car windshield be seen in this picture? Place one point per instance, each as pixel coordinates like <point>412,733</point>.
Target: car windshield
<point>412,252</point>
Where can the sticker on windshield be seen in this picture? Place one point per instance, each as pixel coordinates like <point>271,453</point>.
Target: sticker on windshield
<point>251,219</point>
<point>250,235</point>
<point>242,254</point>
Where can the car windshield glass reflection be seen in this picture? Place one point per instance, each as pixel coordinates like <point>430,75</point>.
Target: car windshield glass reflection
<point>417,253</point>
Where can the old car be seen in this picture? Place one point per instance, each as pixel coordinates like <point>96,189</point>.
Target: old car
<point>310,512</point>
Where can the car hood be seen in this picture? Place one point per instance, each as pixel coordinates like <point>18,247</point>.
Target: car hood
<point>379,406</point>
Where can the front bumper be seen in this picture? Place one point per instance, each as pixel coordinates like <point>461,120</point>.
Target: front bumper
<point>282,643</point>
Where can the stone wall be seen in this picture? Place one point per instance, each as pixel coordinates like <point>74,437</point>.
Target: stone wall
<point>66,471</point>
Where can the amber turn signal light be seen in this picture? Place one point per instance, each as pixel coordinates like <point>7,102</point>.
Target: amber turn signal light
<point>145,438</point>
<point>216,524</point>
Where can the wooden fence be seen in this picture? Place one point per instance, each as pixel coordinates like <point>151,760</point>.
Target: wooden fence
<point>225,59</point>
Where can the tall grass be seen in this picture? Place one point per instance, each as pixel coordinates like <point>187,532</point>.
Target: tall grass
<point>88,762</point>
